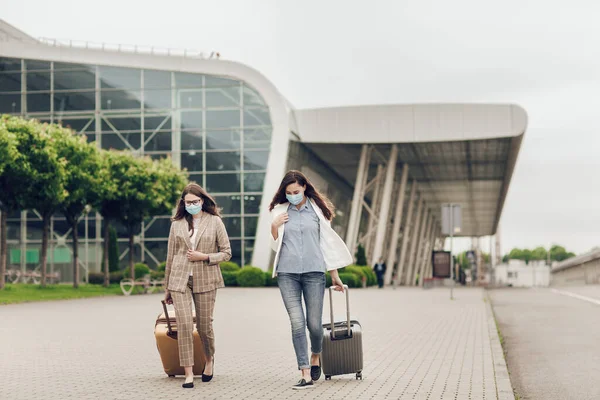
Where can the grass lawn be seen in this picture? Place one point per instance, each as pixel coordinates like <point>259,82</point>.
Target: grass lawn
<point>21,293</point>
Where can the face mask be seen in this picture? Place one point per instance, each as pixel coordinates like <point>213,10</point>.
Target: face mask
<point>295,199</point>
<point>194,209</point>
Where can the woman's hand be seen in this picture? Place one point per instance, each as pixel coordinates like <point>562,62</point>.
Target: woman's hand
<point>280,220</point>
<point>168,298</point>
<point>336,281</point>
<point>193,255</point>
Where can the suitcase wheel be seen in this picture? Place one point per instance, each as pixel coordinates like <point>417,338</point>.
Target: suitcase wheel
<point>327,377</point>
<point>171,376</point>
<point>359,375</point>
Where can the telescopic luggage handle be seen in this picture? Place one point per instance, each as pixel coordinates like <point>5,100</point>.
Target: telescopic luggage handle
<point>347,310</point>
<point>170,332</point>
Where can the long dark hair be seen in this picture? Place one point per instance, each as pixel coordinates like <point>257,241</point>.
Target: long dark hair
<point>298,177</point>
<point>208,204</point>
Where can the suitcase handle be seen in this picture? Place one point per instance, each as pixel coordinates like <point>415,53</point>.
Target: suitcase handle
<point>170,332</point>
<point>347,310</point>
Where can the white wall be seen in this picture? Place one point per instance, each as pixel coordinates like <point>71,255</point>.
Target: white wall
<point>518,274</point>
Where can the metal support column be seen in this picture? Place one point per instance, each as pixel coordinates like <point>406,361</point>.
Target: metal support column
<point>414,241</point>
<point>426,256</point>
<point>406,232</point>
<point>393,244</point>
<point>375,207</point>
<point>357,198</point>
<point>386,198</point>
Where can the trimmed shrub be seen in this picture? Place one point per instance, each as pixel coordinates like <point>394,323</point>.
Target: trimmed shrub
<point>361,256</point>
<point>251,277</point>
<point>229,266</point>
<point>371,276</point>
<point>157,275</point>
<point>352,280</point>
<point>162,266</point>
<point>96,278</point>
<point>356,270</point>
<point>115,277</point>
<point>269,280</point>
<point>140,269</point>
<point>230,278</point>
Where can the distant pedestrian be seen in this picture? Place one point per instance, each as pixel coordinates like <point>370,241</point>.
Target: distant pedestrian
<point>379,269</point>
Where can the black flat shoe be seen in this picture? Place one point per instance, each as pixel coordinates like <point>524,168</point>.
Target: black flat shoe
<point>208,378</point>
<point>302,384</point>
<point>188,385</point>
<point>315,372</point>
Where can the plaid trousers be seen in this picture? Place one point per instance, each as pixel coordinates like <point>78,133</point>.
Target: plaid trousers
<point>204,304</point>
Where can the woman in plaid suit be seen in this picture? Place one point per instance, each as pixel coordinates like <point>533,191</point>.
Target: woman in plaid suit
<point>198,242</point>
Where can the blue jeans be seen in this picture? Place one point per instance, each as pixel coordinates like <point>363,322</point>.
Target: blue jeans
<point>312,286</point>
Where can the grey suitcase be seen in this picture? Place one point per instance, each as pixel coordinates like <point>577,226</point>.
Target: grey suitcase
<point>342,344</point>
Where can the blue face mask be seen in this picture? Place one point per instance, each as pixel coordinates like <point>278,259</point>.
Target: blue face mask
<point>194,209</point>
<point>295,199</point>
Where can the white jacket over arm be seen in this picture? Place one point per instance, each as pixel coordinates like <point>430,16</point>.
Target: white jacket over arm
<point>335,252</point>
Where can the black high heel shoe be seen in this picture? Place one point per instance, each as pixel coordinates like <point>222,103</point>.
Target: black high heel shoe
<point>208,378</point>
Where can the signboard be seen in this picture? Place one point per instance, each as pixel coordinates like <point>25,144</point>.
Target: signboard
<point>441,264</point>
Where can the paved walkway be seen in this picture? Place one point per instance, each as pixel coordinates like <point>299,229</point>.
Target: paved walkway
<point>552,343</point>
<point>418,345</point>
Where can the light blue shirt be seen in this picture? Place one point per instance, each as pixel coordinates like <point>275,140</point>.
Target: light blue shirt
<point>301,243</point>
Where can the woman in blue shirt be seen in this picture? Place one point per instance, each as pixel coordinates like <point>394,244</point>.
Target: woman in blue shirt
<point>306,247</point>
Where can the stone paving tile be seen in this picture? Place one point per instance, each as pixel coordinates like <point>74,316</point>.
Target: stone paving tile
<point>418,345</point>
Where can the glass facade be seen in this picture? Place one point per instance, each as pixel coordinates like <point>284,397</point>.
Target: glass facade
<point>218,129</point>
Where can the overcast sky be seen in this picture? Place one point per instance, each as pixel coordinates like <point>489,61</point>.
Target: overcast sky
<point>543,56</point>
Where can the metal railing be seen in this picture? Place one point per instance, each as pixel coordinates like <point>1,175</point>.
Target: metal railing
<point>127,48</point>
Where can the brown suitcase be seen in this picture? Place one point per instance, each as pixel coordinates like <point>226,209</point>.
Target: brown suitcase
<point>165,332</point>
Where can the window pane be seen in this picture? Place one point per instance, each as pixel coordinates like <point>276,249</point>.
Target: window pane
<point>215,81</point>
<point>192,161</point>
<point>223,140</point>
<point>222,183</point>
<point>256,160</point>
<point>253,182</point>
<point>220,119</point>
<point>38,102</point>
<point>120,78</point>
<point>77,124</point>
<point>233,225</point>
<point>120,100</point>
<point>74,80</point>
<point>157,99</point>
<point>61,65</point>
<point>191,140</point>
<point>159,228</point>
<point>161,141</point>
<point>184,79</point>
<point>257,117</point>
<point>162,122</point>
<point>190,98</point>
<point>31,65</point>
<point>10,82</point>
<point>230,204</point>
<point>252,203</point>
<point>250,226</point>
<point>157,79</point>
<point>38,81</point>
<point>82,101</point>
<point>236,251</point>
<point>223,97</point>
<point>10,64</point>
<point>158,249</point>
<point>121,124</point>
<point>114,141</point>
<point>14,230</point>
<point>248,250</point>
<point>191,120</point>
<point>252,98</point>
<point>259,138</point>
<point>10,103</point>
<point>223,161</point>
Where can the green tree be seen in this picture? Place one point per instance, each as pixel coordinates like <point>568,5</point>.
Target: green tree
<point>10,162</point>
<point>559,253</point>
<point>539,254</point>
<point>82,182</point>
<point>361,256</point>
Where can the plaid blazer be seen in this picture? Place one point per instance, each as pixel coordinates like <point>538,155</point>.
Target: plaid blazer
<point>212,240</point>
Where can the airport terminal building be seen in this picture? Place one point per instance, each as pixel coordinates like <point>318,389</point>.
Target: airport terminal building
<point>387,168</point>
